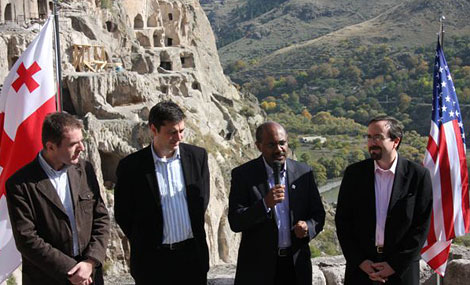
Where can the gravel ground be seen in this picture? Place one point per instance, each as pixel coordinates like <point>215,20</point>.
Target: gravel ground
<point>218,275</point>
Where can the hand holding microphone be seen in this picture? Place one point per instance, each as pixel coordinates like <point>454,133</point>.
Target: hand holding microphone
<point>275,194</point>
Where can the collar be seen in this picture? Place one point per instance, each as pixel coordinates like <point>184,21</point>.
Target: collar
<point>393,168</point>
<point>270,171</point>
<point>49,170</point>
<point>156,158</point>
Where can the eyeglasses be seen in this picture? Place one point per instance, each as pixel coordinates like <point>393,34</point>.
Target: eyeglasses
<point>375,138</point>
<point>275,144</point>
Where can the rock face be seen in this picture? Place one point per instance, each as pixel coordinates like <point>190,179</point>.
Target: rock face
<point>160,50</point>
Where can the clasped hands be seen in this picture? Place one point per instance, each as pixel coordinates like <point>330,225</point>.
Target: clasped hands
<point>81,273</point>
<point>275,196</point>
<point>379,271</point>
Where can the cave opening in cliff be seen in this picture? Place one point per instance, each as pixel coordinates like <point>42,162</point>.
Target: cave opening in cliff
<point>187,60</point>
<point>196,86</point>
<point>169,42</point>
<point>109,162</point>
<point>42,9</point>
<point>156,39</point>
<point>8,13</point>
<point>111,27</point>
<point>143,40</point>
<point>12,61</point>
<point>170,16</point>
<point>165,65</point>
<point>67,103</point>
<point>138,22</point>
<point>152,21</point>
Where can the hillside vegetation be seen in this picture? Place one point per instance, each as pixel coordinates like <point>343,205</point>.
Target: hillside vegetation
<point>326,67</point>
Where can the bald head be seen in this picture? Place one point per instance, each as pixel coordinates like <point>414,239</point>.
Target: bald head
<point>268,127</point>
<point>271,140</point>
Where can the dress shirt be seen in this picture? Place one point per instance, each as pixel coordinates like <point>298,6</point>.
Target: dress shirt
<point>176,221</point>
<point>60,181</point>
<point>383,189</point>
<point>281,210</point>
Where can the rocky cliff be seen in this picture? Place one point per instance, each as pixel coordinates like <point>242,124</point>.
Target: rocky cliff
<point>118,61</point>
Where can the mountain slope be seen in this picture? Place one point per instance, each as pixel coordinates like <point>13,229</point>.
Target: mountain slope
<point>291,35</point>
<point>290,22</point>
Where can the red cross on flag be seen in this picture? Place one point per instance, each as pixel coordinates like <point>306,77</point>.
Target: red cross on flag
<point>26,97</point>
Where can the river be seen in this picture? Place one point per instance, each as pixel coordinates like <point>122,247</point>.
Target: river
<point>330,190</point>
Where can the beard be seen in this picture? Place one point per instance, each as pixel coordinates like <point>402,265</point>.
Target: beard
<point>375,155</point>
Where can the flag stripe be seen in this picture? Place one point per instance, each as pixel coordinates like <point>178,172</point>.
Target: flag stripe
<point>440,257</point>
<point>464,218</point>
<point>432,149</point>
<point>446,187</point>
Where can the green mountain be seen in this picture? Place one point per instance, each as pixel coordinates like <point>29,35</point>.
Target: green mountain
<point>290,34</point>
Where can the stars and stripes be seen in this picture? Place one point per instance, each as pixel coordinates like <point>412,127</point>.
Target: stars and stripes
<point>445,159</point>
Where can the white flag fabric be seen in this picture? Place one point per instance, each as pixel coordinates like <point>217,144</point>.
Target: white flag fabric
<point>28,95</point>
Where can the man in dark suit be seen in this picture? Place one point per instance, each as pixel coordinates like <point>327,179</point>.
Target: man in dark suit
<point>277,220</point>
<point>59,221</point>
<point>161,196</point>
<point>383,212</point>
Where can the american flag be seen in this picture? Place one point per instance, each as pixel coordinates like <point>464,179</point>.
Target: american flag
<point>445,159</point>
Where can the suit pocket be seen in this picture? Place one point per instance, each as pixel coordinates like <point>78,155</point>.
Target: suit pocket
<point>86,201</point>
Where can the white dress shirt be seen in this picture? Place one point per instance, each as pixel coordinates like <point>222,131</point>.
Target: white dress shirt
<point>383,190</point>
<point>176,221</point>
<point>60,181</point>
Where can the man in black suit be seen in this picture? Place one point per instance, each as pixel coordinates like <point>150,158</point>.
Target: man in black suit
<point>383,212</point>
<point>161,195</point>
<point>277,220</point>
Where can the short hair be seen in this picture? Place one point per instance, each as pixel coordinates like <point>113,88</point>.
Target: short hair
<point>165,111</point>
<point>54,126</point>
<point>260,129</point>
<point>395,127</point>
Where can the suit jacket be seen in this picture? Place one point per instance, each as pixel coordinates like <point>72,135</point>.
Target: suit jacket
<point>406,226</point>
<point>257,254</point>
<point>41,227</point>
<point>138,208</point>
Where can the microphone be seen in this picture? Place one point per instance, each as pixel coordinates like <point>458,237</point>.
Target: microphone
<point>277,165</point>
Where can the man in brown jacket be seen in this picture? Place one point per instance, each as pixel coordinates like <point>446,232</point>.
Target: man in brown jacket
<point>59,221</point>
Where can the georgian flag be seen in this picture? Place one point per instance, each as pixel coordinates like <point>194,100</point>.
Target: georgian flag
<point>26,98</point>
<point>445,159</point>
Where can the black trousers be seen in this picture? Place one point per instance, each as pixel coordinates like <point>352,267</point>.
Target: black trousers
<point>179,266</point>
<point>285,271</point>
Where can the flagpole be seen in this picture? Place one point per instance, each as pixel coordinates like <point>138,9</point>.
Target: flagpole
<point>441,20</point>
<point>441,40</point>
<point>58,59</point>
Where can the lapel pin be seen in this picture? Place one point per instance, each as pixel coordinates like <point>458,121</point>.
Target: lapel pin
<point>293,186</point>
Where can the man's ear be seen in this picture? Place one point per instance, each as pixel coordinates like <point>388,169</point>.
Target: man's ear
<point>50,146</point>
<point>153,129</point>
<point>396,142</point>
<point>258,145</point>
